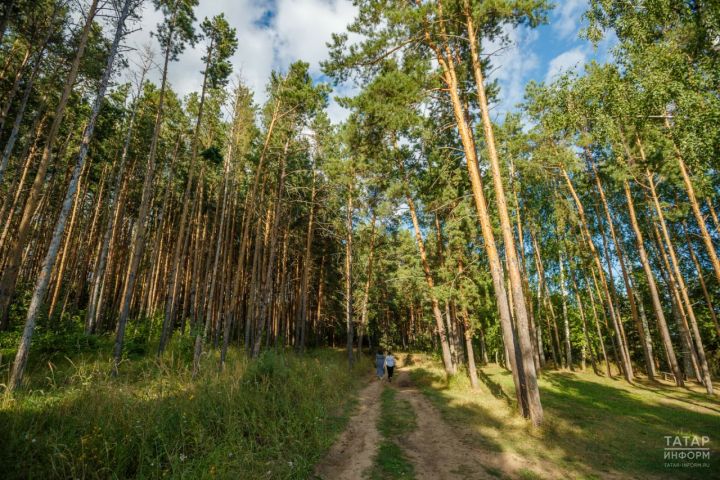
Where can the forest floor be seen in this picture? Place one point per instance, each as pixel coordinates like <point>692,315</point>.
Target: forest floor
<point>268,418</point>
<point>422,426</point>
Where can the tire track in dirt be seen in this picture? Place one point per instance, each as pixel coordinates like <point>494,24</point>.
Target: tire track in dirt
<point>354,451</point>
<point>437,450</point>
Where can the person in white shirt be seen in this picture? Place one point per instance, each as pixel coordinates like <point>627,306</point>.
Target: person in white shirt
<point>390,365</point>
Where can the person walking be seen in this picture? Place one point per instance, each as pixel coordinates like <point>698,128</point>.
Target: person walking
<point>380,365</point>
<point>390,365</point>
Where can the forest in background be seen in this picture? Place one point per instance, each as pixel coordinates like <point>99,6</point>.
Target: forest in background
<point>581,229</point>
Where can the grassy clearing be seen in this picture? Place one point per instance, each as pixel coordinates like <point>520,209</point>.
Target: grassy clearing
<point>396,419</point>
<point>269,418</point>
<point>593,425</point>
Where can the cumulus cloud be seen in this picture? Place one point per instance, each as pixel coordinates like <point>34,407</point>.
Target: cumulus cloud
<point>271,35</point>
<point>565,61</point>
<point>512,65</point>
<point>567,18</point>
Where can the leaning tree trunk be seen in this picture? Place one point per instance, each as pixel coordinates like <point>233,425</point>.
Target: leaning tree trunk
<point>20,114</point>
<point>446,62</point>
<point>14,256</point>
<point>695,206</point>
<point>624,359</point>
<point>644,335</point>
<point>652,286</point>
<point>41,285</point>
<point>682,287</point>
<point>521,313</point>
<point>701,279</point>
<point>114,210</point>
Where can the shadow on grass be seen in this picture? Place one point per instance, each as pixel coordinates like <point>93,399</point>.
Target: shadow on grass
<point>272,418</point>
<point>591,428</point>
<point>495,388</point>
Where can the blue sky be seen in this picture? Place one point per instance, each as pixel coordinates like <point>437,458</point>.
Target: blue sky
<point>273,34</point>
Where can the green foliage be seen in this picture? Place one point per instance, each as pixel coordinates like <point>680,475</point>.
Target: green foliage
<point>272,418</point>
<point>577,439</point>
<point>222,43</point>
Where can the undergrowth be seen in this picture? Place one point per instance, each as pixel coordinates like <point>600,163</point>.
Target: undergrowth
<point>267,418</point>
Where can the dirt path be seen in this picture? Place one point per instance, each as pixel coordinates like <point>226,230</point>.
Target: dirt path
<point>436,450</point>
<point>354,451</point>
<point>439,451</point>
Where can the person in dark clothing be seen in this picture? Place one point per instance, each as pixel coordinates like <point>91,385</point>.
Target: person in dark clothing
<point>390,365</point>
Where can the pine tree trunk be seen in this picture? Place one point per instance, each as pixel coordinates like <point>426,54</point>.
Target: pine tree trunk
<point>624,359</point>
<point>695,206</point>
<point>19,116</point>
<point>466,136</point>
<point>14,256</point>
<point>44,277</point>
<point>366,289</point>
<point>439,322</point>
<point>679,310</point>
<point>535,409</point>
<point>644,334</point>
<point>348,277</point>
<point>652,286</point>
<point>566,323</point>
<point>701,279</point>
<point>472,368</point>
<point>700,349</point>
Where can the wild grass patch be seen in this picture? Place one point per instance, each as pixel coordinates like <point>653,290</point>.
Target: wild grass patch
<point>267,418</point>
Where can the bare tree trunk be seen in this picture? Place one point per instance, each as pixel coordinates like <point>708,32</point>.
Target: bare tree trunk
<point>535,409</point>
<point>366,290</point>
<point>652,286</point>
<point>446,61</point>
<point>14,256</point>
<point>624,359</point>
<point>114,207</point>
<point>79,195</point>
<point>566,323</point>
<point>701,279</point>
<point>304,308</point>
<point>690,353</point>
<point>44,277</point>
<point>700,350</point>
<point>439,322</point>
<point>695,206</point>
<point>19,116</point>
<point>472,368</point>
<point>643,333</point>
<point>348,277</point>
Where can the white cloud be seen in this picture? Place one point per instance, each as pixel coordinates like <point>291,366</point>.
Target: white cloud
<point>566,61</point>
<point>567,19</point>
<point>296,30</point>
<point>304,27</point>
<point>512,65</point>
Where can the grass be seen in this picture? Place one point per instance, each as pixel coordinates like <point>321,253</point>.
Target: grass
<point>594,426</point>
<point>273,417</point>
<point>397,418</point>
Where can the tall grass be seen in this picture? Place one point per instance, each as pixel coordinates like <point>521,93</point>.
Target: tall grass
<point>268,418</point>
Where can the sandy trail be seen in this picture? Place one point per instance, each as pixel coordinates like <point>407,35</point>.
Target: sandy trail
<point>436,450</point>
<point>439,451</point>
<point>355,449</point>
